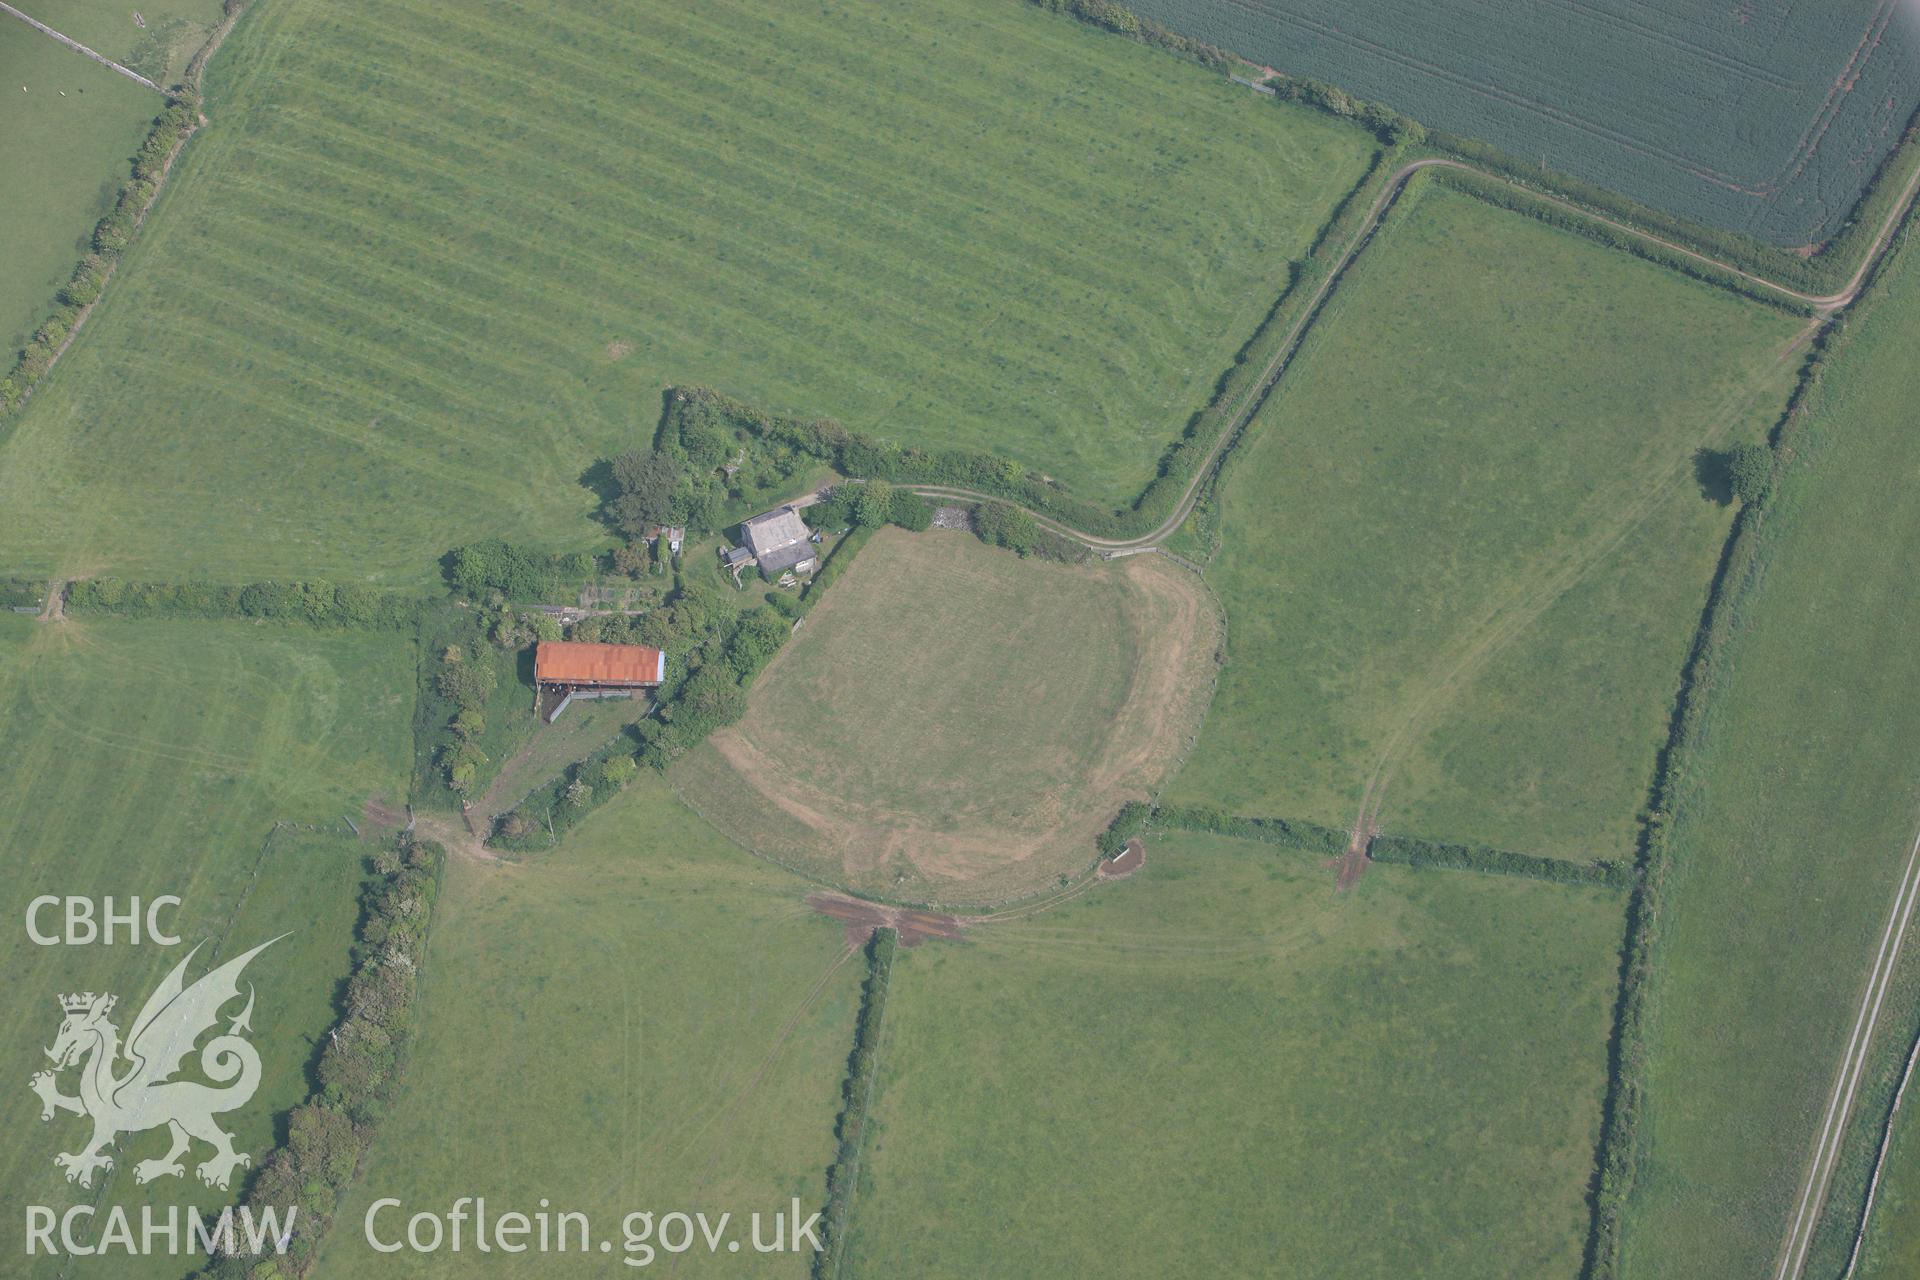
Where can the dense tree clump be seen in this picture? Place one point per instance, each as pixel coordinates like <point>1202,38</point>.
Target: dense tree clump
<point>648,484</point>
<point>1750,470</point>
<point>517,573</point>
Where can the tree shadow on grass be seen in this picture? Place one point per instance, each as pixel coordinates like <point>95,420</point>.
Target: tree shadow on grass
<point>1713,471</point>
<point>598,480</point>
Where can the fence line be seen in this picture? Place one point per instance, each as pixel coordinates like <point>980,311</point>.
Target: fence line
<point>77,47</point>
<point>1880,1161</point>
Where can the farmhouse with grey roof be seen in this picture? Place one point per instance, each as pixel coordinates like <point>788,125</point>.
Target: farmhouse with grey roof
<point>779,542</point>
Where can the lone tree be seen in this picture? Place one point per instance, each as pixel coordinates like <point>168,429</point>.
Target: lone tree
<point>1750,470</point>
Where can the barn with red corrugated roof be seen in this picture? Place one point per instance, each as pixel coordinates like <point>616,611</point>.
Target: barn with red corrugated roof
<point>571,664</point>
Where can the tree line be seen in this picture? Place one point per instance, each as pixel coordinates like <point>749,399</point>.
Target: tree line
<point>111,236</point>
<point>330,1134</point>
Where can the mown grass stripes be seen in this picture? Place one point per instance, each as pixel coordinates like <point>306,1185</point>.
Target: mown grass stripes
<point>473,251</point>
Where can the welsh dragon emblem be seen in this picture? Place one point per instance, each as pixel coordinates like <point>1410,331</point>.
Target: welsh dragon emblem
<point>130,1088</point>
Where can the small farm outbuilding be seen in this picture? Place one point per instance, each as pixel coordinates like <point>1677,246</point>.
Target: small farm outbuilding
<point>779,543</point>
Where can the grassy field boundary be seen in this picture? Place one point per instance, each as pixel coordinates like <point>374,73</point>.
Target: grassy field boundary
<point>1620,1132</point>
<point>1880,1158</point>
<point>172,129</point>
<point>843,1177</point>
<point>1836,267</point>
<point>1412,851</point>
<point>1507,194</point>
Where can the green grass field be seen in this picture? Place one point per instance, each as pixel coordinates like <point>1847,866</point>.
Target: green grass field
<point>1225,1066</point>
<point>1891,1250</point>
<point>1464,544</point>
<point>955,724</point>
<point>645,1019</point>
<point>155,758</point>
<point>402,295</point>
<point>173,31</point>
<point>65,146</point>
<point>1796,814</point>
<point>1765,118</point>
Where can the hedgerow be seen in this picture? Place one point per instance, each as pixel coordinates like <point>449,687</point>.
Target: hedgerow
<point>1828,269</point>
<point>703,410</point>
<point>843,1175</point>
<point>516,572</point>
<point>1504,195</point>
<point>1310,836</point>
<point>1000,525</point>
<point>329,1135</point>
<point>23,593</point>
<point>1740,567</point>
<point>1386,123</point>
<point>317,604</point>
<point>1410,851</point>
<point>110,239</point>
<point>550,811</point>
<point>839,556</point>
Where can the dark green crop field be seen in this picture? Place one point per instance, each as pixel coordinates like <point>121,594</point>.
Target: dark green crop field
<point>1763,118</point>
<point>429,262</point>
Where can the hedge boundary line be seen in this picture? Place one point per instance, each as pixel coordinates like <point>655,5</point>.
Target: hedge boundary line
<point>1502,193</point>
<point>1411,851</point>
<point>839,556</point>
<point>74,301</point>
<point>1406,851</point>
<point>1880,1158</point>
<point>1743,564</point>
<point>331,1133</point>
<point>113,234</point>
<point>1238,394</point>
<point>316,603</point>
<point>1830,267</point>
<point>1308,836</point>
<point>843,1175</point>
